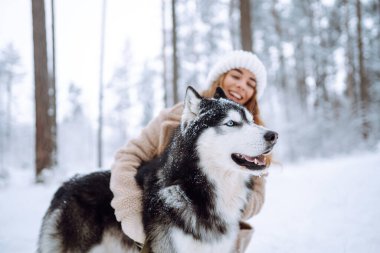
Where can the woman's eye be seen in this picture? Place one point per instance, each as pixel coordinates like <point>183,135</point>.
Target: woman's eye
<point>230,123</point>
<point>235,77</point>
<point>251,85</point>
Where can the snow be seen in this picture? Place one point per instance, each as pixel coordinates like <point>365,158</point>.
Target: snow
<point>321,206</point>
<point>329,205</point>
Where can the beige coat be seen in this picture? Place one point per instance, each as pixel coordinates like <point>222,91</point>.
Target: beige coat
<point>152,141</point>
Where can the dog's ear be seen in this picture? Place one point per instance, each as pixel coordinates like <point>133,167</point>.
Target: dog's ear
<point>219,93</point>
<point>190,107</point>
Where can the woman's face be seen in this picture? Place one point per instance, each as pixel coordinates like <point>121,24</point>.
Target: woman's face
<point>239,85</point>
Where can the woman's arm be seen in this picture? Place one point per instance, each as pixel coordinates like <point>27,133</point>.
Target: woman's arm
<point>127,200</point>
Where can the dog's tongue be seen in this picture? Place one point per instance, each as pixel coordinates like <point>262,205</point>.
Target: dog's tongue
<point>259,160</point>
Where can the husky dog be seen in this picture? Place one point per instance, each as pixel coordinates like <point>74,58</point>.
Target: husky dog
<point>193,194</point>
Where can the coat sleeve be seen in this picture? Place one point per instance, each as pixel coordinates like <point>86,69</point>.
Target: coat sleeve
<point>256,200</point>
<point>127,195</point>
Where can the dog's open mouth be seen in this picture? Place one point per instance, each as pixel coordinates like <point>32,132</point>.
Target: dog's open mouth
<point>251,162</point>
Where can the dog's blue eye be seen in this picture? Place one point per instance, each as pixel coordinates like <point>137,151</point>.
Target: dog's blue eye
<point>230,123</point>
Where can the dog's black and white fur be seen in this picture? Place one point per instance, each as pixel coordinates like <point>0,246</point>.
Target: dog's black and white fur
<point>193,194</point>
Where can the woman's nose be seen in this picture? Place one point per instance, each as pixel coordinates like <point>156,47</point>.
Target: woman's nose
<point>240,84</point>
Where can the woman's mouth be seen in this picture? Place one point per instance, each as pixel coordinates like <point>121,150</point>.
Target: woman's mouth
<point>235,95</point>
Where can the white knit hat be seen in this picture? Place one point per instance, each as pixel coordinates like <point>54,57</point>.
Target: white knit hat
<point>240,59</point>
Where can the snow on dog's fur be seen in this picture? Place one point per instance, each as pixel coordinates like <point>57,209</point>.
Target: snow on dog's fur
<point>193,194</point>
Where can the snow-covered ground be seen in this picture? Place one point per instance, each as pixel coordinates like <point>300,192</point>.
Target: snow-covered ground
<point>320,206</point>
<point>325,206</point>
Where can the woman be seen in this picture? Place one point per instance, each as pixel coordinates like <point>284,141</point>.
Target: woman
<point>242,76</point>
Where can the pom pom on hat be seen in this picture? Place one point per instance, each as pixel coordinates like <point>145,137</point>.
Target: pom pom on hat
<point>240,59</point>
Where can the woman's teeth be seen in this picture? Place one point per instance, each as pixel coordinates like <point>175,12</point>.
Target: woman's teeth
<point>236,95</point>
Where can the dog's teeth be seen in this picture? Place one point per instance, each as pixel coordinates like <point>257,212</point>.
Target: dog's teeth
<point>255,161</point>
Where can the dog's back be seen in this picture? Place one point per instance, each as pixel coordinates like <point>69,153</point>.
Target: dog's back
<point>80,218</point>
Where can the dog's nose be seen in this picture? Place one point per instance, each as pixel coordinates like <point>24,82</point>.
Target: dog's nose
<point>271,137</point>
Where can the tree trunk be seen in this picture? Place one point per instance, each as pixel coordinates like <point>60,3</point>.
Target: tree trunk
<point>175,58</point>
<point>164,71</point>
<point>301,73</point>
<point>8,122</point>
<point>282,72</point>
<point>245,25</point>
<point>100,116</point>
<point>349,61</point>
<point>278,28</point>
<point>44,137</point>
<point>233,27</point>
<point>52,92</point>
<point>8,113</point>
<point>364,95</point>
<point>315,57</point>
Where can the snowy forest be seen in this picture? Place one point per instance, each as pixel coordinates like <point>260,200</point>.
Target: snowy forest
<point>322,59</point>
<point>80,78</point>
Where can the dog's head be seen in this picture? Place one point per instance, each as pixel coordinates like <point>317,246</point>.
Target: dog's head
<point>226,136</point>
